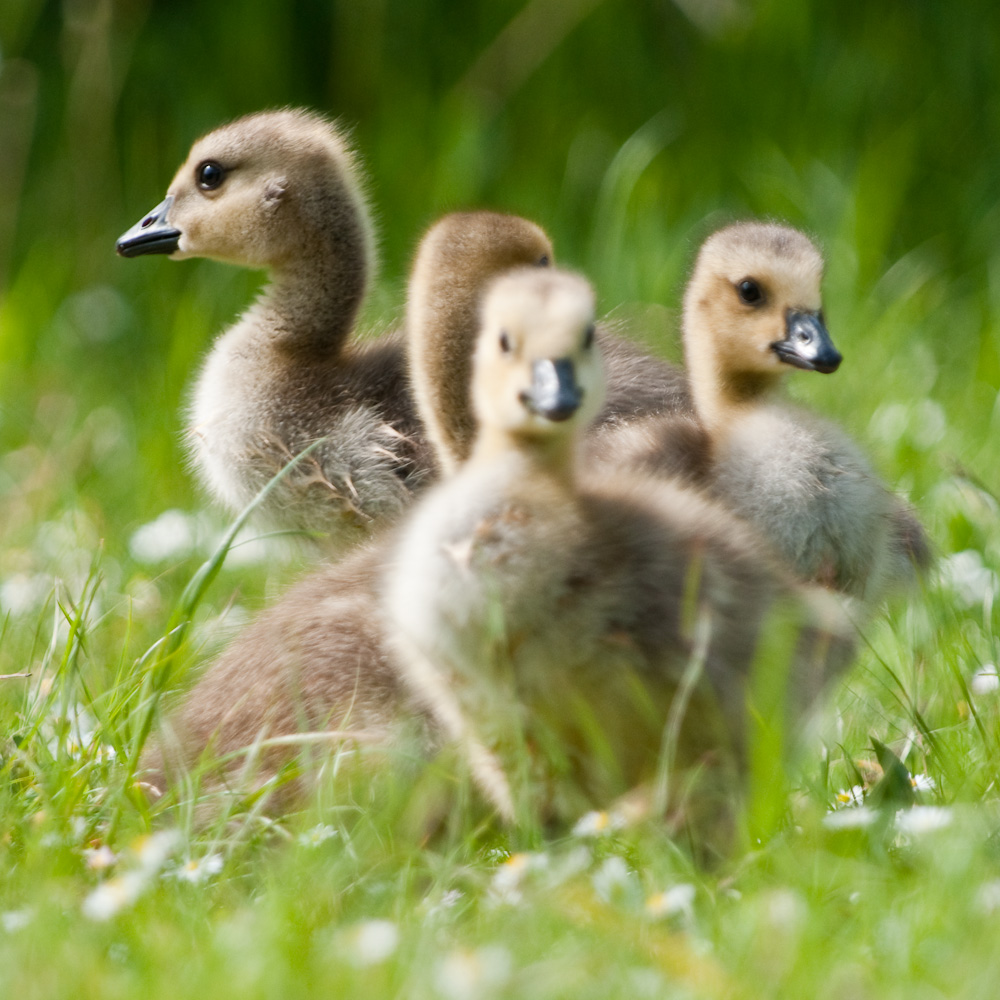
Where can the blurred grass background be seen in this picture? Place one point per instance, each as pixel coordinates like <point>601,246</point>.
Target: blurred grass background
<point>628,128</point>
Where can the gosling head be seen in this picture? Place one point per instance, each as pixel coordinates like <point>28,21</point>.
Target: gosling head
<point>537,372</point>
<point>753,304</point>
<point>259,192</point>
<point>464,250</point>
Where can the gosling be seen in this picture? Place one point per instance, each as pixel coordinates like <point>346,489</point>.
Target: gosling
<point>282,191</point>
<point>752,314</point>
<point>314,663</point>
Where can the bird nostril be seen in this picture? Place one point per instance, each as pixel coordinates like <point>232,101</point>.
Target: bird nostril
<point>148,221</point>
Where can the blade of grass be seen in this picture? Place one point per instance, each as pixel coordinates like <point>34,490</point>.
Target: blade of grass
<point>158,673</point>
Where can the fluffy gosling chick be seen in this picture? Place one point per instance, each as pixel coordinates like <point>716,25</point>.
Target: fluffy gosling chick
<point>314,662</point>
<point>282,191</point>
<point>752,314</point>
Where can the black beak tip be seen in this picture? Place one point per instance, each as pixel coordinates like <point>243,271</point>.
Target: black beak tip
<point>558,414</point>
<point>807,344</point>
<point>554,410</point>
<point>138,244</point>
<point>152,234</point>
<point>827,366</point>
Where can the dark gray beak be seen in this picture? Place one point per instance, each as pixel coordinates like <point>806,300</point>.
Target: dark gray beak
<point>152,234</point>
<point>807,343</point>
<point>554,392</point>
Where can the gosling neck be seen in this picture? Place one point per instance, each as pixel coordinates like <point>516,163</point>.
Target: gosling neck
<point>312,301</point>
<point>722,393</point>
<point>550,456</point>
<point>442,325</point>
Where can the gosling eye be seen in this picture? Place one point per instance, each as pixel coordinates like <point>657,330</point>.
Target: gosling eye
<point>505,345</point>
<point>588,338</point>
<point>543,261</point>
<point>750,292</point>
<point>209,175</point>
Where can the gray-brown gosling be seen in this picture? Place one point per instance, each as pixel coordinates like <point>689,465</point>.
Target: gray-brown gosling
<point>523,598</point>
<point>313,663</point>
<point>752,314</point>
<point>457,257</point>
<point>282,191</point>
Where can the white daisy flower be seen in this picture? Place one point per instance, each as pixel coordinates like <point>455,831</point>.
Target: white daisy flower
<point>200,870</point>
<point>99,859</point>
<point>672,902</point>
<point>373,941</point>
<point>507,879</point>
<point>923,819</point>
<point>598,823</point>
<point>473,975</point>
<point>320,833</point>
<point>15,920</point>
<point>173,535</point>
<point>612,878</point>
<point>985,680</point>
<point>114,895</point>
<point>853,796</point>
<point>447,901</point>
<point>966,575</point>
<point>578,859</point>
<point>850,819</point>
<point>922,783</point>
<point>24,593</point>
<point>153,850</point>
<point>785,908</point>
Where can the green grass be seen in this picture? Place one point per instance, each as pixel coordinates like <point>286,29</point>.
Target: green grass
<point>636,130</point>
